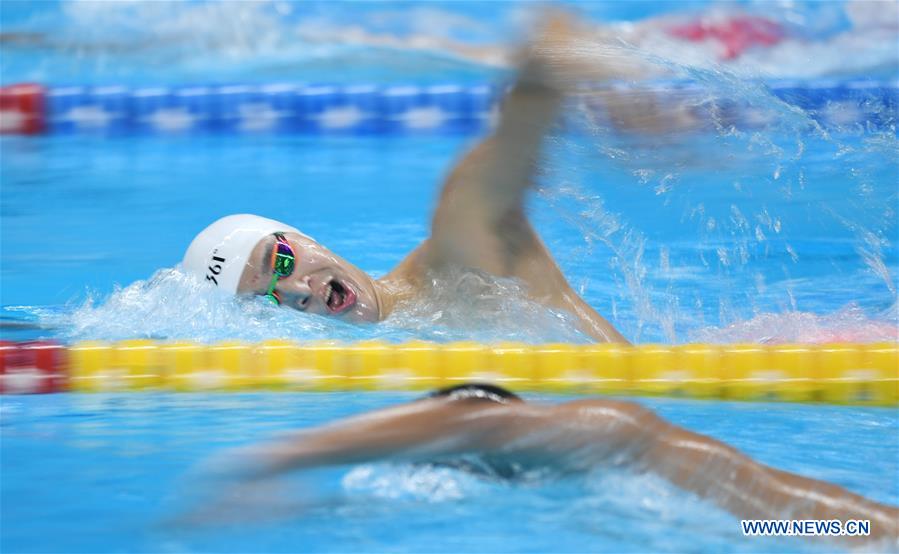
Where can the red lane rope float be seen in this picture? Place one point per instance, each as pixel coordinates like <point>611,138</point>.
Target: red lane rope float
<point>22,109</point>
<point>32,367</point>
<point>734,34</point>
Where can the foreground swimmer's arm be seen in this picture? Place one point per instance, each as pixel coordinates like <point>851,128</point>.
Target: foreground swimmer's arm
<point>726,476</point>
<point>575,436</point>
<point>419,430</point>
<point>753,490</point>
<point>480,220</point>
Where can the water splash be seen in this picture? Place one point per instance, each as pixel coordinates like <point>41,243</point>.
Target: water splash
<point>598,226</point>
<point>173,305</point>
<point>412,482</point>
<point>754,245</point>
<point>753,253</point>
<point>474,305</point>
<point>850,324</point>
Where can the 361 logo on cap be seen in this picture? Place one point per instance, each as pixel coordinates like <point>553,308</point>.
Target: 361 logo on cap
<point>214,269</point>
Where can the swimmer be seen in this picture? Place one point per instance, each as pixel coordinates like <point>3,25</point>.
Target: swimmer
<point>479,224</point>
<point>501,431</point>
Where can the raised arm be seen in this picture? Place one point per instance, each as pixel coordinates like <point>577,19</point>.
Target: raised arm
<point>480,221</point>
<point>487,187</point>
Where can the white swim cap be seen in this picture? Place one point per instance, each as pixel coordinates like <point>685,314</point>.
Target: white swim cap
<point>221,251</point>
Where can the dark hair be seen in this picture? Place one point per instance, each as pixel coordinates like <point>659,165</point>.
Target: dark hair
<point>477,391</point>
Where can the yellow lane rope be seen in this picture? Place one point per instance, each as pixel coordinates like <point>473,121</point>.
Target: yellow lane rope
<point>865,374</point>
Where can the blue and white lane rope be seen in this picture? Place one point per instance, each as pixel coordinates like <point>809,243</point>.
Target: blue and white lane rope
<point>361,109</point>
<point>375,110</point>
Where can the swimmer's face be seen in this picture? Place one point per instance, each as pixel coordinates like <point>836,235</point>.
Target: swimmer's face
<point>321,283</point>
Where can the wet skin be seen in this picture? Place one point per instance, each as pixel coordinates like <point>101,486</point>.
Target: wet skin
<point>322,282</point>
<point>576,436</point>
<point>480,221</point>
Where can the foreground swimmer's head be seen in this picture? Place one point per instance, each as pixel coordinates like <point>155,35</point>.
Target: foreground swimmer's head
<point>477,391</point>
<point>248,254</point>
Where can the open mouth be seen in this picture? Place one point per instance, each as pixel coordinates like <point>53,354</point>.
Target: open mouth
<point>338,297</point>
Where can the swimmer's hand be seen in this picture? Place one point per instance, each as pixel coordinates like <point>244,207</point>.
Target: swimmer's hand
<point>247,463</point>
<point>295,450</point>
<point>417,431</point>
<point>565,54</point>
<point>480,221</point>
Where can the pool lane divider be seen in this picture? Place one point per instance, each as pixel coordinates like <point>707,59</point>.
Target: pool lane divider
<point>859,374</point>
<point>22,109</point>
<point>112,110</point>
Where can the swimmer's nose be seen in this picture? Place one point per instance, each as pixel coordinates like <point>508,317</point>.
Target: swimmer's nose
<point>296,292</point>
<point>303,302</point>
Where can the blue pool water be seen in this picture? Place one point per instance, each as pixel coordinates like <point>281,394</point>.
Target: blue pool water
<point>104,473</point>
<point>645,233</point>
<point>774,234</point>
<point>766,235</point>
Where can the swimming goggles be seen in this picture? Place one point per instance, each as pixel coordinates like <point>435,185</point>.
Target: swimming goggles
<point>283,261</point>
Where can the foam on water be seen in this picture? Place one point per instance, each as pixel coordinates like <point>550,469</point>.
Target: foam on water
<point>849,324</point>
<point>726,197</point>
<point>747,250</point>
<point>422,483</point>
<point>735,233</point>
<point>639,512</point>
<point>475,305</point>
<point>736,189</point>
<point>119,460</point>
<point>171,304</point>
